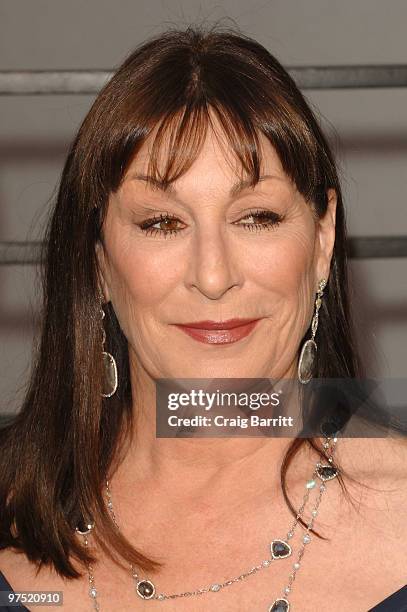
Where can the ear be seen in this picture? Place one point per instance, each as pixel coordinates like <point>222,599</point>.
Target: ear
<point>102,270</point>
<point>325,238</point>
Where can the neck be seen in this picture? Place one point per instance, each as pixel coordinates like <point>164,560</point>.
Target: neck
<point>194,468</point>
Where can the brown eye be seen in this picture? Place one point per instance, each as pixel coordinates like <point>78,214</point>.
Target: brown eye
<point>263,219</point>
<point>167,225</point>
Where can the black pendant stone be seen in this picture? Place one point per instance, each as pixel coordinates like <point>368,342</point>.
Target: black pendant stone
<point>327,472</point>
<point>145,589</point>
<point>280,549</point>
<point>280,605</point>
<point>85,526</point>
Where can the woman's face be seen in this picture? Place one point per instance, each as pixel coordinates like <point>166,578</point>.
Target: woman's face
<point>214,261</point>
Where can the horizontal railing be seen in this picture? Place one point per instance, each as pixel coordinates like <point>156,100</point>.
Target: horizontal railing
<point>51,82</point>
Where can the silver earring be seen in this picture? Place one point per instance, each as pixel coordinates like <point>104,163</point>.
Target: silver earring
<point>109,384</point>
<point>308,356</point>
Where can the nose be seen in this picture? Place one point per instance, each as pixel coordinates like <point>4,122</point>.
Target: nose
<point>213,268</point>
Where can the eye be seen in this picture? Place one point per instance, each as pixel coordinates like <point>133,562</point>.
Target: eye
<point>166,222</point>
<point>266,219</point>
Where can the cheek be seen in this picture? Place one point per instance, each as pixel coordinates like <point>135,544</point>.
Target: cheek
<point>140,274</point>
<point>285,273</point>
<point>284,262</point>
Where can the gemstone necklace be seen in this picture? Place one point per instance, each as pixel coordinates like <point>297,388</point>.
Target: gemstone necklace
<point>279,549</point>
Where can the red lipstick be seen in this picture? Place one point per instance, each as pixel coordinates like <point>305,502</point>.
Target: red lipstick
<point>219,332</point>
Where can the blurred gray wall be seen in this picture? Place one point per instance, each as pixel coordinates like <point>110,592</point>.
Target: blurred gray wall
<point>368,129</point>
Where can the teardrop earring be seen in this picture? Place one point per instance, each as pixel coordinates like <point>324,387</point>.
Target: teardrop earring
<point>308,357</point>
<point>109,384</point>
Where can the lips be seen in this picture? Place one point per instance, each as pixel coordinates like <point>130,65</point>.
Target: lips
<point>219,332</point>
<point>229,324</point>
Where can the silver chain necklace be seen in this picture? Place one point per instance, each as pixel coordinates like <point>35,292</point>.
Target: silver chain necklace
<point>279,549</point>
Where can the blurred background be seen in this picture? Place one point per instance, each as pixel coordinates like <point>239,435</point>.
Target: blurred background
<point>366,127</point>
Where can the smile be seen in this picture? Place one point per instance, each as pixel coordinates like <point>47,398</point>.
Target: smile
<point>220,336</point>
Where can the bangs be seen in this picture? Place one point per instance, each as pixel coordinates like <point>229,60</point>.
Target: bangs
<point>177,139</point>
<point>182,134</point>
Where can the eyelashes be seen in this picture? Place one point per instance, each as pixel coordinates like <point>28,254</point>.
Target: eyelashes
<point>270,218</point>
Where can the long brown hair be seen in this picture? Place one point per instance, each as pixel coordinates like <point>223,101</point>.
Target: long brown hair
<point>65,438</point>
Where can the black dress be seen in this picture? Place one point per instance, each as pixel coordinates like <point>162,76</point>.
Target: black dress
<point>397,602</point>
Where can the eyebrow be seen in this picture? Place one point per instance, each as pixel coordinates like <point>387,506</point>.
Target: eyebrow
<point>168,188</point>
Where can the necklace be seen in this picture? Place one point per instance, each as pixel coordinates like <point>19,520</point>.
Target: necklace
<point>279,549</point>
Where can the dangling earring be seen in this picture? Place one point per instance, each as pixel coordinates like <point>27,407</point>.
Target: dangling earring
<point>308,356</point>
<point>109,383</point>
